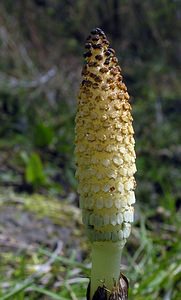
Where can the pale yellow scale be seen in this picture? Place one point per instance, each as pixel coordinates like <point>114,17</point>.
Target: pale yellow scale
<point>104,150</point>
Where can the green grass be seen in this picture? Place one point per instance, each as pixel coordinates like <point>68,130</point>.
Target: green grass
<point>72,284</point>
<point>151,261</point>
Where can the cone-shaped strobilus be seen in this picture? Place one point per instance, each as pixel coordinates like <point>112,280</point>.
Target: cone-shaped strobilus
<point>105,159</point>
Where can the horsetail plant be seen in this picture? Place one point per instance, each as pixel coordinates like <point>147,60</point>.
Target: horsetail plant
<point>105,159</point>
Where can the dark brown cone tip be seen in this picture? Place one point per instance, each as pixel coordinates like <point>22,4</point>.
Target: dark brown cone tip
<point>97,40</point>
<point>98,31</point>
<point>100,59</point>
<point>119,292</point>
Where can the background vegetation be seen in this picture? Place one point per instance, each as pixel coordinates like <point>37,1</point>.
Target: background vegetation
<point>43,251</point>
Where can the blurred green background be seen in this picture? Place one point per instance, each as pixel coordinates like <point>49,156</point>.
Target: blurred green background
<point>44,253</point>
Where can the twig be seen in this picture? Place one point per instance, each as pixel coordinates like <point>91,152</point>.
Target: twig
<point>14,83</point>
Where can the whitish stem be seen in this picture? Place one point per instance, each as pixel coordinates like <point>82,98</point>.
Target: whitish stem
<point>106,260</point>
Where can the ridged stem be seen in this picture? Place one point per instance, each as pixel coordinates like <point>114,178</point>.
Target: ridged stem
<point>106,260</point>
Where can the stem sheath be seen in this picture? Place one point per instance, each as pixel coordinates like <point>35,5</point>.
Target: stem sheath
<point>106,260</point>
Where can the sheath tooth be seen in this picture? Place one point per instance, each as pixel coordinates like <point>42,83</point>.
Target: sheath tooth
<point>114,236</point>
<point>131,198</point>
<point>91,219</point>
<point>108,236</point>
<point>113,219</point>
<point>129,215</point>
<point>119,218</point>
<point>117,203</point>
<point>106,220</point>
<point>98,221</point>
<point>82,202</point>
<point>126,230</point>
<point>85,218</point>
<point>99,203</point>
<point>106,188</point>
<point>120,235</point>
<point>95,188</point>
<point>91,203</point>
<point>129,185</point>
<point>120,187</point>
<point>109,203</point>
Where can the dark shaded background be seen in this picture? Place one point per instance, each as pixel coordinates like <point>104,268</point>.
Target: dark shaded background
<point>41,47</point>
